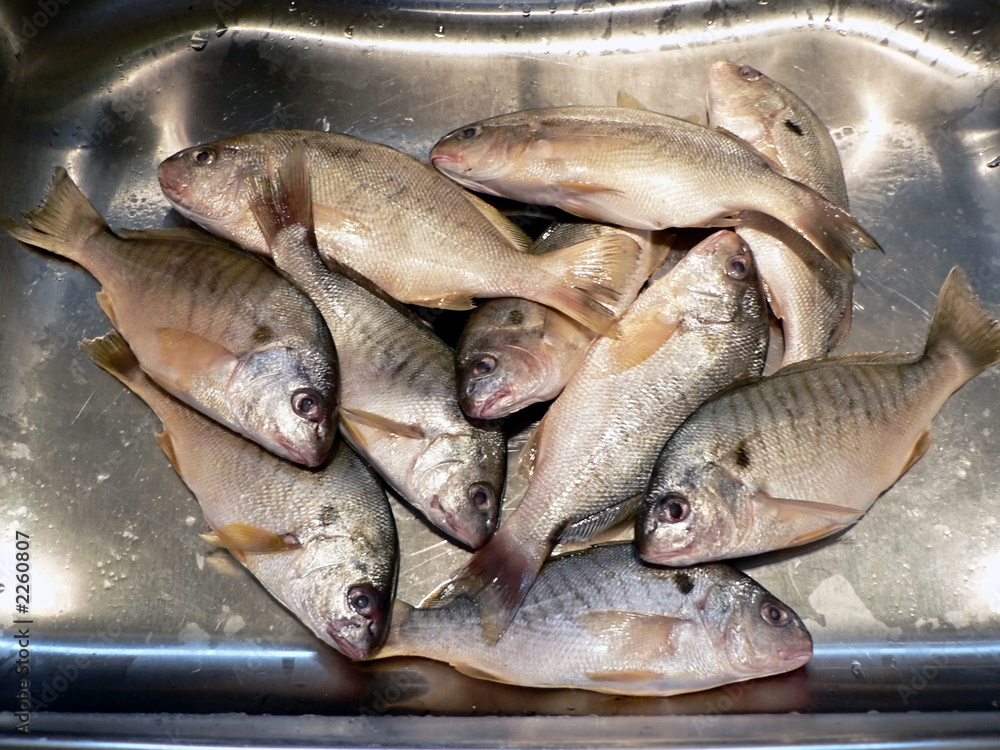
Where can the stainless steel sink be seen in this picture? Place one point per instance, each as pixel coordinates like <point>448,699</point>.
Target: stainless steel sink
<point>131,612</point>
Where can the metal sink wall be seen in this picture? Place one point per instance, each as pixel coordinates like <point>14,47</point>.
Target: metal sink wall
<point>131,611</point>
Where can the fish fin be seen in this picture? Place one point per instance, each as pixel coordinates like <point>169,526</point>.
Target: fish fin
<point>505,226</point>
<point>527,457</point>
<point>558,327</point>
<point>787,508</point>
<point>724,222</point>
<point>339,221</point>
<point>640,629</point>
<point>166,441</point>
<point>183,353</point>
<point>62,223</point>
<point>587,187</point>
<point>627,101</point>
<point>647,336</point>
<point>624,676</point>
<point>108,305</point>
<point>585,528</point>
<point>812,536</point>
<point>358,417</point>
<point>919,449</point>
<point>843,327</point>
<point>863,358</point>
<point>353,434</point>
<point>831,229</point>
<point>960,328</point>
<point>589,278</point>
<point>499,575</point>
<point>192,235</point>
<point>241,537</point>
<point>283,198</point>
<point>456,301</point>
<point>477,673</point>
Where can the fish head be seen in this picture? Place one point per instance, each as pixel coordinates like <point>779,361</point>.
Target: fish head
<point>458,482</point>
<point>756,633</point>
<point>501,366</point>
<point>691,515</point>
<point>745,102</point>
<point>206,184</point>
<point>285,398</point>
<point>343,587</point>
<point>717,281</point>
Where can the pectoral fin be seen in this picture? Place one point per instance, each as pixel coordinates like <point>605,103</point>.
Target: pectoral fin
<point>330,219</point>
<point>627,101</point>
<point>358,418</point>
<point>624,676</point>
<point>104,300</point>
<point>588,187</point>
<point>635,635</point>
<point>788,510</point>
<point>643,339</point>
<point>241,537</point>
<point>182,354</point>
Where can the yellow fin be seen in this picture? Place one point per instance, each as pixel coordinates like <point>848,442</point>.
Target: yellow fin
<point>378,422</point>
<point>104,300</point>
<point>241,537</point>
<point>332,219</point>
<point>628,676</point>
<point>644,340</point>
<point>184,353</point>
<point>634,634</point>
<point>167,445</point>
<point>788,509</point>
<point>919,449</point>
<point>457,301</point>
<point>588,187</point>
<point>627,101</point>
<point>505,226</point>
<point>724,222</point>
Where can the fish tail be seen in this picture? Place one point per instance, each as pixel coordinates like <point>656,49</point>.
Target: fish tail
<point>833,231</point>
<point>498,576</point>
<point>962,329</point>
<point>63,221</point>
<point>593,277</point>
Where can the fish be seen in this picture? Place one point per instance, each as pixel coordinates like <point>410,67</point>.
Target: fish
<point>321,541</point>
<point>396,221</point>
<point>398,394</point>
<point>513,352</point>
<point>807,292</point>
<point>639,169</point>
<point>600,619</point>
<point>686,336</point>
<point>801,454</point>
<point>217,327</point>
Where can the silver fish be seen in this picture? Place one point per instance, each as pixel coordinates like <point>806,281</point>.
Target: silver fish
<point>639,169</point>
<point>322,542</point>
<point>600,619</point>
<point>807,292</point>
<point>398,222</point>
<point>217,327</point>
<point>398,403</point>
<point>805,452</point>
<point>687,335</point>
<point>514,352</point>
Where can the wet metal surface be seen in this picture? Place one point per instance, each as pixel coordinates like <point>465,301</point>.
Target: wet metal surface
<point>130,610</point>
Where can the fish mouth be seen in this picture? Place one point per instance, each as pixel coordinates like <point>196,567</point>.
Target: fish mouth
<point>445,159</point>
<point>446,521</point>
<point>348,649</point>
<point>487,409</point>
<point>671,557</point>
<point>312,458</point>
<point>795,657</point>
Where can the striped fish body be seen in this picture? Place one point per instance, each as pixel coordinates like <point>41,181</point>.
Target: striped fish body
<point>805,452</point>
<point>216,326</point>
<point>601,620</point>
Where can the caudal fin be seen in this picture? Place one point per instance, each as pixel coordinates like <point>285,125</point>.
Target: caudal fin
<point>498,576</point>
<point>63,221</point>
<point>836,233</point>
<point>592,276</point>
<point>961,328</point>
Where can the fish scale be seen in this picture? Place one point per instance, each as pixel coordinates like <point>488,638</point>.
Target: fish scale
<point>805,452</point>
<point>601,620</point>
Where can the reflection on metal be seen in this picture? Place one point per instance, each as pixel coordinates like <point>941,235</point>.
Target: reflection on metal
<point>904,608</point>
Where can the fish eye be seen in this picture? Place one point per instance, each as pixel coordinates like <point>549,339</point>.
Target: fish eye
<point>749,74</point>
<point>204,156</point>
<point>484,366</point>
<point>470,132</point>
<point>363,600</point>
<point>673,509</point>
<point>308,404</point>
<point>481,495</point>
<point>774,614</point>
<point>738,267</point>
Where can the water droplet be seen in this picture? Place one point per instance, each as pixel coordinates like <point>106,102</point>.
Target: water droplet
<point>526,10</point>
<point>552,6</point>
<point>439,31</point>
<point>856,669</point>
<point>349,32</point>
<point>292,7</point>
<point>221,28</point>
<point>199,41</point>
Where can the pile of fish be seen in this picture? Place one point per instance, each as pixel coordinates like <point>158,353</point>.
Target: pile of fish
<point>256,349</point>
